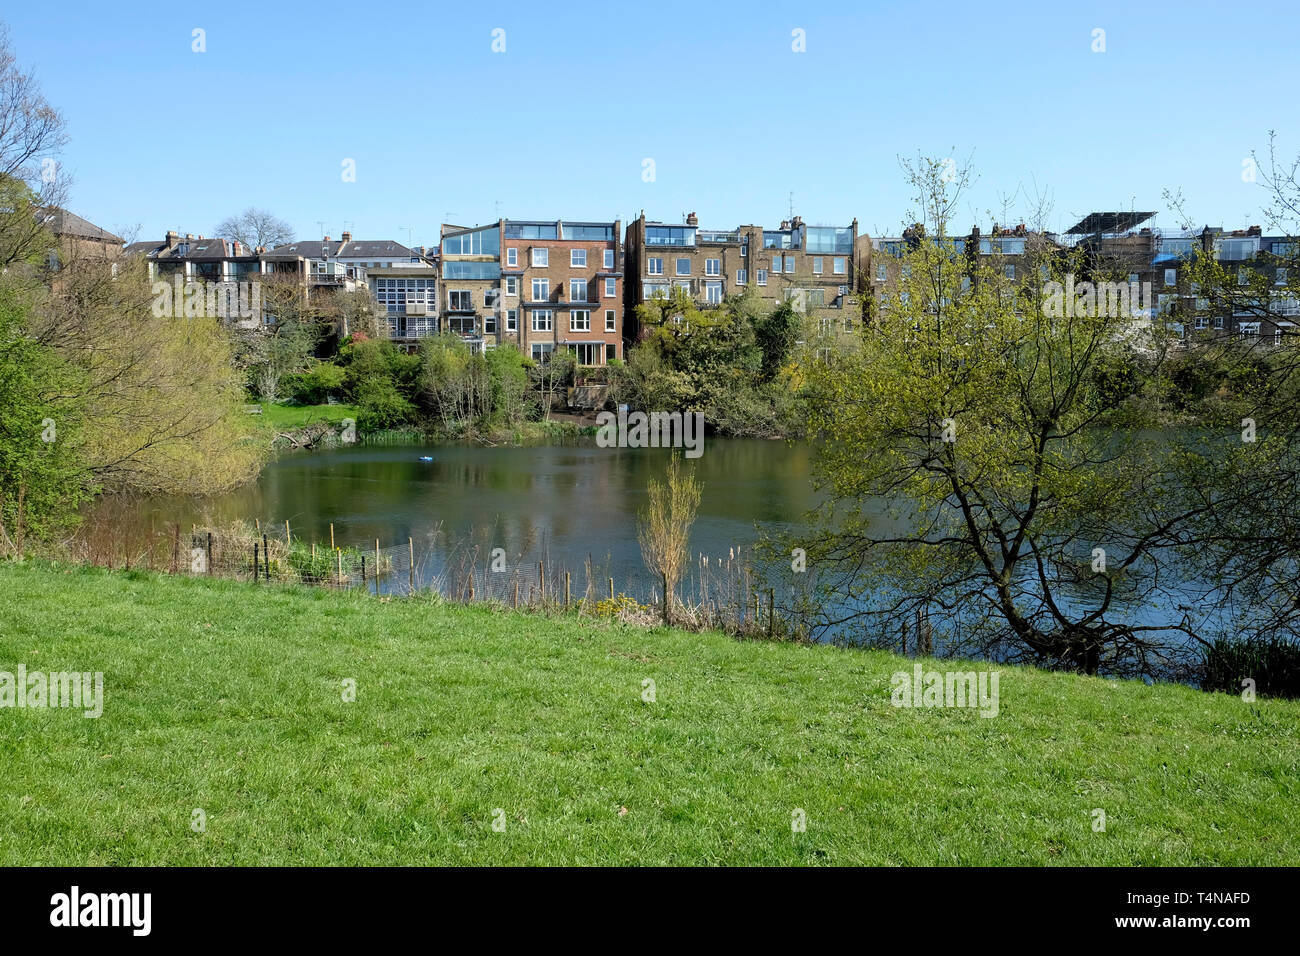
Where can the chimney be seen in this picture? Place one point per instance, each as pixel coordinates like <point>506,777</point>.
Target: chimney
<point>692,219</point>
<point>173,237</point>
<point>1253,231</point>
<point>327,239</point>
<point>189,235</point>
<point>796,222</point>
<point>347,236</point>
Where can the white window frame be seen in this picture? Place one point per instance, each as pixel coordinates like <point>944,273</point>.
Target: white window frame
<point>545,286</point>
<point>650,264</point>
<point>742,276</point>
<point>548,314</point>
<point>761,278</point>
<point>713,267</point>
<point>1171,277</point>
<point>512,320</point>
<point>817,265</point>
<point>611,320</point>
<point>460,292</point>
<point>512,285</point>
<point>611,287</point>
<point>609,258</point>
<point>574,256</point>
<point>573,320</point>
<point>540,257</point>
<point>677,265</point>
<point>575,282</point>
<point>512,256</point>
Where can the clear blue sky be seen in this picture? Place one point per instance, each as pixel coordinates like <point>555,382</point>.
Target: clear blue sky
<point>558,125</point>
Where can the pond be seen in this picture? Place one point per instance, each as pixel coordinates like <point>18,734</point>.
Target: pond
<point>562,504</point>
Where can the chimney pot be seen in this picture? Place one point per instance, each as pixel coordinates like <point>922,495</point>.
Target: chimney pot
<point>692,220</point>
<point>347,237</point>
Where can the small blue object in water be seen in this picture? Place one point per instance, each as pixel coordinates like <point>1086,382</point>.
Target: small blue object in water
<point>426,458</point>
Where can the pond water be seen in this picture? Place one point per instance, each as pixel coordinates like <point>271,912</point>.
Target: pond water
<point>562,504</point>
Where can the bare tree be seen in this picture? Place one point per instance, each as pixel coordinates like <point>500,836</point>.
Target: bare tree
<point>256,227</point>
<point>31,184</point>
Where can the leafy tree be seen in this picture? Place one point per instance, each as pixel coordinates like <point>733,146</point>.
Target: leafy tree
<point>42,477</point>
<point>983,473</point>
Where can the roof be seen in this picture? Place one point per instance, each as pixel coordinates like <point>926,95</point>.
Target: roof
<point>1096,222</point>
<point>205,248</point>
<point>64,223</point>
<point>336,249</point>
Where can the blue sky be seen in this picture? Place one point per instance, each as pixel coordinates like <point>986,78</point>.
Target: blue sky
<point>558,125</point>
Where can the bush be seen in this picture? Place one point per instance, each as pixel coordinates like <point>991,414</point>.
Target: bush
<point>381,405</point>
<point>1273,664</point>
<point>317,385</point>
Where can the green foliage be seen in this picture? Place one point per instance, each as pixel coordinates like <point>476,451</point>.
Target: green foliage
<point>728,362</point>
<point>377,378</point>
<point>42,476</point>
<point>316,386</point>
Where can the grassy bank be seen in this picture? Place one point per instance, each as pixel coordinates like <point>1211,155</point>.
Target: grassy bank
<point>286,417</point>
<point>227,697</point>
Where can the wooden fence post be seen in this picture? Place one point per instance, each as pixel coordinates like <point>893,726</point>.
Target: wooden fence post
<point>771,611</point>
<point>331,535</point>
<point>256,569</point>
<point>611,589</point>
<point>410,544</point>
<point>338,557</point>
<point>287,540</point>
<point>363,571</point>
<point>210,571</point>
<point>266,558</point>
<point>176,546</point>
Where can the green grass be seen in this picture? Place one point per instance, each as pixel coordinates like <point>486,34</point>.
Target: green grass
<point>298,416</point>
<point>228,697</point>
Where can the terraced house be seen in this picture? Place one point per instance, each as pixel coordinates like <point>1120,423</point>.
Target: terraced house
<point>565,279</point>
<point>814,267</point>
<point>1264,310</point>
<point>539,285</point>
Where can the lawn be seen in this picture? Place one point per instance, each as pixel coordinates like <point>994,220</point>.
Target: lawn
<point>284,417</point>
<point>229,698</point>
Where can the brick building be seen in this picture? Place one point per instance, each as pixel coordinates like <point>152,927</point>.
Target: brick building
<point>539,285</point>
<point>812,266</point>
